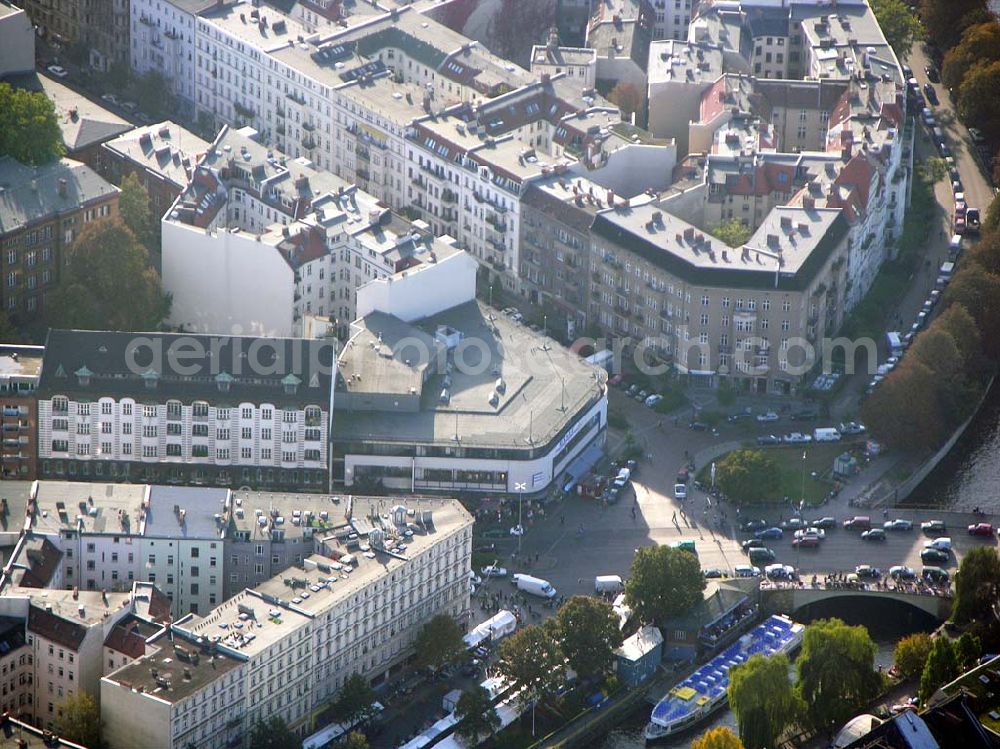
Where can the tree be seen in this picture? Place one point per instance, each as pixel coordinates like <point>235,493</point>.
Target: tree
<point>979,292</point>
<point>732,232</point>
<point>889,411</point>
<point>986,252</point>
<point>530,659</point>
<point>439,642</point>
<point>664,583</point>
<point>962,328</point>
<point>588,633</point>
<point>978,104</point>
<point>911,654</point>
<point>354,700</point>
<point>717,738</point>
<point>934,169</point>
<point>944,20</point>
<point>836,671</point>
<point>477,715</point>
<point>747,476</point>
<point>968,648</point>
<point>79,720</point>
<point>977,585</point>
<point>108,283</point>
<point>937,350</point>
<point>941,667</point>
<point>763,700</point>
<point>979,44</point>
<point>273,734</point>
<point>354,740</point>
<point>153,94</point>
<point>900,26</point>
<point>133,205</point>
<point>29,127</point>
<point>628,98</point>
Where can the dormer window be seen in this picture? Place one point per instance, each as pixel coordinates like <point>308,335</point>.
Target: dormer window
<point>150,377</point>
<point>83,376</point>
<point>291,384</point>
<point>223,380</point>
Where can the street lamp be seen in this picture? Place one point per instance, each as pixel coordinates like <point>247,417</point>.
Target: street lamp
<point>519,487</point>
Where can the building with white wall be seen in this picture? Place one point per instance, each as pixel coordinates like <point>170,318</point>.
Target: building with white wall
<point>679,75</point>
<point>185,409</point>
<point>578,63</point>
<point>17,40</point>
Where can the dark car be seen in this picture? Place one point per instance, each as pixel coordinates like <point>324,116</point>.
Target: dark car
<point>698,426</point>
<point>806,542</point>
<point>931,94</point>
<point>713,573</point>
<point>935,575</point>
<point>754,525</point>
<point>932,74</point>
<point>770,533</point>
<point>807,414</point>
<point>826,522</point>
<point>981,529</point>
<point>934,556</point>
<point>866,570</point>
<point>875,534</point>
<point>761,555</point>
<point>753,543</point>
<point>768,439</point>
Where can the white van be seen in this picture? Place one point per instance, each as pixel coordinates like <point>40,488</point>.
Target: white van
<point>608,584</point>
<point>534,585</point>
<point>942,544</point>
<point>826,434</point>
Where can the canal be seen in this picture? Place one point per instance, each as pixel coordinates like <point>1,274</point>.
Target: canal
<point>887,621</point>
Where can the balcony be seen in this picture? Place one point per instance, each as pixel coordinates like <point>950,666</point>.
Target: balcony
<point>449,196</point>
<point>308,127</point>
<point>243,111</point>
<point>496,222</point>
<point>308,142</point>
<point>279,112</point>
<point>364,154</point>
<point>279,129</point>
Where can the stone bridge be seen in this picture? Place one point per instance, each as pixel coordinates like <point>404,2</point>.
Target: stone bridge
<point>788,600</point>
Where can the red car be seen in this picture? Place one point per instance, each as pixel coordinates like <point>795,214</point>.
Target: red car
<point>981,529</point>
<point>806,542</point>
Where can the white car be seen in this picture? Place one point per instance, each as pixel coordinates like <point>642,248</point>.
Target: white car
<point>494,571</point>
<point>517,530</point>
<point>745,570</point>
<point>767,417</point>
<point>902,572</point>
<point>812,531</point>
<point>898,525</point>
<point>474,578</point>
<point>780,571</point>
<point>58,71</point>
<point>652,400</point>
<point>680,491</point>
<point>110,99</point>
<point>943,543</point>
<point>796,438</point>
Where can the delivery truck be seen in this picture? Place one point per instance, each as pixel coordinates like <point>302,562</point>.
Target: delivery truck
<point>534,585</point>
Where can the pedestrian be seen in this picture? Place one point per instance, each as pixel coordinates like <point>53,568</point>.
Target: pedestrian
<point>633,513</point>
<point>537,555</point>
<point>562,520</point>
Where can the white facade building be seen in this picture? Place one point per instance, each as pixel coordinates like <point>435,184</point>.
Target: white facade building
<point>163,39</point>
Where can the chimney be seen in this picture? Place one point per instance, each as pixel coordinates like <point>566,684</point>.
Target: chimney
<point>808,202</point>
<point>62,188</point>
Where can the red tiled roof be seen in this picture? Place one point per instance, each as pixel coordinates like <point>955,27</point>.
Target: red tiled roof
<point>125,638</point>
<point>55,628</point>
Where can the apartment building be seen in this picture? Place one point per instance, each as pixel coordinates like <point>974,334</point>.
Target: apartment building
<point>289,644</point>
<point>679,74</point>
<point>20,367</point>
<point>43,210</point>
<point>57,20</point>
<point>621,38</point>
<point>17,40</point>
<point>579,63</point>
<point>161,156</point>
<point>185,409</point>
<point>260,242</point>
<point>101,25</point>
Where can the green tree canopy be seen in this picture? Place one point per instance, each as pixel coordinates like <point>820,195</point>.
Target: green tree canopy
<point>439,642</point>
<point>663,583</point>
<point>748,476</point>
<point>977,585</point>
<point>29,128</point>
<point>941,667</point>
<point>79,720</point>
<point>273,734</point>
<point>763,700</point>
<point>354,700</point>
<point>979,44</point>
<point>354,740</point>
<point>978,105</point>
<point>911,654</point>
<point>945,20</point>
<point>899,24</point>
<point>153,94</point>
<point>836,671</point>
<point>587,631</point>
<point>889,411</point>
<point>717,738</point>
<point>732,232</point>
<point>108,283</point>
<point>968,648</point>
<point>133,205</point>
<point>531,659</point>
<point>477,715</point>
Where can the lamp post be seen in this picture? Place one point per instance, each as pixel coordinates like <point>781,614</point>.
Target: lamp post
<point>519,487</point>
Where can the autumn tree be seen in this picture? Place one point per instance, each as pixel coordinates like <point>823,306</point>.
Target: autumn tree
<point>962,328</point>
<point>588,633</point>
<point>762,698</point>
<point>717,738</point>
<point>530,659</point>
<point>628,98</point>
<point>910,655</point>
<point>977,585</point>
<point>477,715</point>
<point>986,252</point>
<point>941,667</point>
<point>899,25</point>
<point>354,740</point>
<point>945,20</point>
<point>664,583</point>
<point>747,476</point>
<point>29,127</point>
<point>889,411</point>
<point>979,292</point>
<point>836,671</point>
<point>79,720</point>
<point>978,104</point>
<point>937,350</point>
<point>979,44</point>
<point>438,643</point>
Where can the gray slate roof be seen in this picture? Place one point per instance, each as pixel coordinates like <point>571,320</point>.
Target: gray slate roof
<point>120,365</point>
<point>28,194</point>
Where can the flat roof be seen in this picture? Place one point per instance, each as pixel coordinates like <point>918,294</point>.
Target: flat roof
<point>165,149</point>
<point>110,509</point>
<point>544,54</point>
<point>672,61</point>
<point>178,674</point>
<point>383,356</point>
<point>280,30</point>
<point>185,512</point>
<point>20,361</point>
<point>78,607</point>
<point>247,506</point>
<point>546,388</point>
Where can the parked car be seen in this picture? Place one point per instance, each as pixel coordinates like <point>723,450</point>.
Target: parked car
<point>933,526</point>
<point>746,570</point>
<point>752,526</point>
<point>110,99</point>
<point>866,570</point>
<point>902,572</point>
<point>943,543</point>
<point>932,73</point>
<point>858,521</point>
<point>632,390</point>
<point>770,533</point>
<point>761,555</point>
<point>935,575</point>
<point>898,525</point>
<point>796,438</point>
<point>653,400</point>
<point>818,533</point>
<point>873,534</point>
<point>807,414</point>
<point>752,543</point>
<point>58,71</point>
<point>517,530</point>
<point>698,426</point>
<point>768,439</point>
<point>780,571</point>
<point>768,417</point>
<point>494,571</point>
<point>824,522</point>
<point>931,94</point>
<point>680,492</point>
<point>981,529</point>
<point>713,573</point>
<point>792,524</point>
<point>934,556</point>
<point>806,542</point>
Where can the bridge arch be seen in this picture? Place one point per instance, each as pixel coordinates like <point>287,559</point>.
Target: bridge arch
<point>874,609</point>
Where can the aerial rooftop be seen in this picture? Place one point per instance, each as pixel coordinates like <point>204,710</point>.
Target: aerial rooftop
<point>165,149</point>
<point>31,194</point>
<point>92,508</point>
<point>672,61</point>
